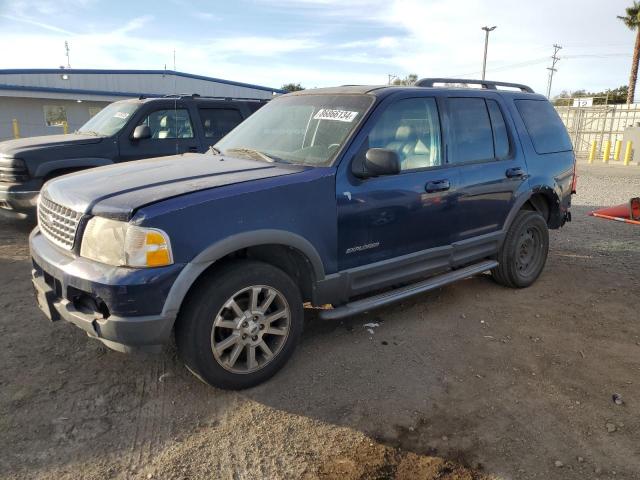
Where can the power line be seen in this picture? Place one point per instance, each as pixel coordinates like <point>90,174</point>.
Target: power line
<point>538,61</point>
<point>553,69</point>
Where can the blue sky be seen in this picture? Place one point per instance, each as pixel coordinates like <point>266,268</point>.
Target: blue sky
<point>326,42</point>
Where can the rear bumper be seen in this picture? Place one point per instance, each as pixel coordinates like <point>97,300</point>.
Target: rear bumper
<point>121,307</point>
<point>13,199</point>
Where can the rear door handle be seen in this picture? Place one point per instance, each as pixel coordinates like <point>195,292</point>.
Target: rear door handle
<point>516,172</point>
<point>437,186</point>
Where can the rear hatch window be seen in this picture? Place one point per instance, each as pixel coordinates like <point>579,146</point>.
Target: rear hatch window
<point>545,128</point>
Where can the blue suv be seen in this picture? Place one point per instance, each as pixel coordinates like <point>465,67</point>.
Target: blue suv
<point>353,197</point>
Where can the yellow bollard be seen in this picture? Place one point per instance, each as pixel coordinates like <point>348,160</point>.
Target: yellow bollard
<point>16,128</point>
<point>592,152</point>
<point>607,151</point>
<point>65,127</point>
<point>627,152</point>
<point>616,150</point>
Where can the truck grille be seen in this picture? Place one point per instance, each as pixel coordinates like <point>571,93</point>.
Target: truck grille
<point>13,174</point>
<point>59,224</point>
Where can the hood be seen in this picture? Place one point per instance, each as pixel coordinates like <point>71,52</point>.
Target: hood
<point>21,146</point>
<point>115,191</point>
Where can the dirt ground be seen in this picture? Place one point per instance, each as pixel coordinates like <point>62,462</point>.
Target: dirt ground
<point>472,381</point>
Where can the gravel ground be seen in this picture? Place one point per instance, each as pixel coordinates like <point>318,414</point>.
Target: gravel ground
<point>472,381</point>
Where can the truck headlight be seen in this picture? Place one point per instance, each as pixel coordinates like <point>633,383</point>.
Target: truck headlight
<point>122,244</point>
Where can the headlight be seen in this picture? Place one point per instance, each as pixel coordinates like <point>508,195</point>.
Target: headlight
<point>122,244</point>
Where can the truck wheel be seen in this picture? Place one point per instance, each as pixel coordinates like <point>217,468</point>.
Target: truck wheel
<point>524,251</point>
<point>240,325</point>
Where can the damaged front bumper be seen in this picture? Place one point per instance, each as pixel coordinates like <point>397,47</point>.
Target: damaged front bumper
<point>122,307</point>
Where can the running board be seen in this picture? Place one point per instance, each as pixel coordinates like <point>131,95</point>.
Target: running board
<point>401,293</point>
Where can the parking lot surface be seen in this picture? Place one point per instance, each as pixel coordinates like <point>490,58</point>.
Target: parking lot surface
<point>471,381</point>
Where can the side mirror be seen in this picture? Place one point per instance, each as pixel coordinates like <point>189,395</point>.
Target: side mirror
<point>141,132</point>
<point>380,161</point>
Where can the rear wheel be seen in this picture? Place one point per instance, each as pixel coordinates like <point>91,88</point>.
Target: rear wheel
<point>241,325</point>
<point>524,251</point>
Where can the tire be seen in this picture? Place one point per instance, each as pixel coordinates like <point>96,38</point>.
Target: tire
<point>524,251</point>
<point>210,319</point>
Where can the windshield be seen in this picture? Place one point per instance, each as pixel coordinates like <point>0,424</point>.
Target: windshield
<point>110,119</point>
<point>301,129</point>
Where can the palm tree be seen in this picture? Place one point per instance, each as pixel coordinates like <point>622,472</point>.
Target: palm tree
<point>632,20</point>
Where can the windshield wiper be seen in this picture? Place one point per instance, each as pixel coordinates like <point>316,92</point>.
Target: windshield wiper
<point>88,132</point>
<point>252,153</point>
<point>214,150</point>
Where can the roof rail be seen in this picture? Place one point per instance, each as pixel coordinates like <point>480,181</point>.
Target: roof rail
<point>488,84</point>
<point>181,95</point>
<point>197,95</point>
<point>246,99</point>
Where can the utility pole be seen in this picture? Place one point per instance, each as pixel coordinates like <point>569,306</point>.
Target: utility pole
<point>390,76</point>
<point>552,69</point>
<point>486,47</point>
<point>66,48</point>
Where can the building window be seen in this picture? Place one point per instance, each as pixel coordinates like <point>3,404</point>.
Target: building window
<point>93,111</point>
<point>54,115</point>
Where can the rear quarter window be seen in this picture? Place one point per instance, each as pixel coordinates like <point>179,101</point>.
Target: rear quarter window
<point>544,126</point>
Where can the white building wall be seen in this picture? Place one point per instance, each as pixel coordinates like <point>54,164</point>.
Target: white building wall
<point>30,115</point>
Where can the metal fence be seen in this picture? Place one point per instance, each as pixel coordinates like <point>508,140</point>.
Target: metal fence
<point>598,123</point>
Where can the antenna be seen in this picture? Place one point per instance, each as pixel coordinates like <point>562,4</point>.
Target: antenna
<point>175,101</point>
<point>67,49</point>
<point>552,68</point>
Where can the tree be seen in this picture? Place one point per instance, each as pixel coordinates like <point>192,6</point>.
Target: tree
<point>408,80</point>
<point>610,97</point>
<point>632,20</point>
<point>292,87</point>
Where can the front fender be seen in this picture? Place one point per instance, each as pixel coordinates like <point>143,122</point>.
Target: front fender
<point>218,250</point>
<point>46,168</point>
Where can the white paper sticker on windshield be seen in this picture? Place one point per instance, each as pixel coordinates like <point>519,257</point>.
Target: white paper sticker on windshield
<point>339,115</point>
<point>122,115</point>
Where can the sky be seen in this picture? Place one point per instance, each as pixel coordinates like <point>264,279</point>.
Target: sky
<point>327,42</point>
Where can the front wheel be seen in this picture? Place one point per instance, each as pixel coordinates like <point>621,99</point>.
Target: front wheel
<point>524,251</point>
<point>240,325</point>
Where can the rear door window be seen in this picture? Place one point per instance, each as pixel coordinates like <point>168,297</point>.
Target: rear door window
<point>545,128</point>
<point>471,133</point>
<point>217,122</point>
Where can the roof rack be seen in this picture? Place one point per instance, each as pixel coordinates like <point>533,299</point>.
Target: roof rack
<point>491,85</point>
<point>181,95</point>
<point>245,99</point>
<point>197,95</point>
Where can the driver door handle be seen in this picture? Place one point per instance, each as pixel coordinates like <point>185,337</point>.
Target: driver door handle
<point>437,186</point>
<point>192,149</point>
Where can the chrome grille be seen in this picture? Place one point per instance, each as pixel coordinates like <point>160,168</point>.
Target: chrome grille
<point>12,174</point>
<point>59,224</point>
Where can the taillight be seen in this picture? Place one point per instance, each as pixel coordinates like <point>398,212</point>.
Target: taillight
<point>574,183</point>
